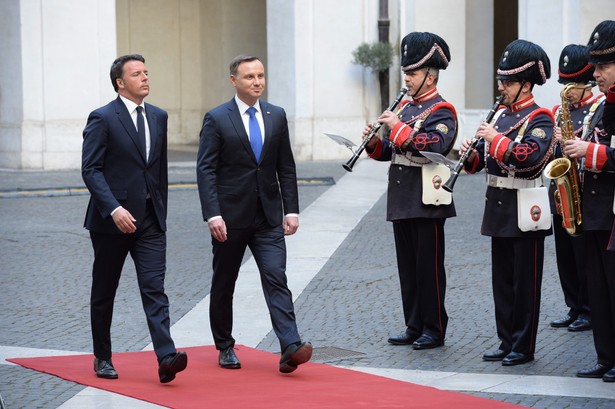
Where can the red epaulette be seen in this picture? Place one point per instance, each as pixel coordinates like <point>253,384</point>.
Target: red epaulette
<point>541,111</point>
<point>610,95</point>
<point>444,104</point>
<point>403,103</point>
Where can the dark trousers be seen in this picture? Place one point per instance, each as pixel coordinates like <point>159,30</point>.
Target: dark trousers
<point>570,257</point>
<point>419,244</point>
<point>517,265</point>
<point>268,247</point>
<point>601,288</point>
<point>147,247</point>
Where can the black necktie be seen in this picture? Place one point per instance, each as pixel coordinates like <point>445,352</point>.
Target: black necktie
<point>141,129</point>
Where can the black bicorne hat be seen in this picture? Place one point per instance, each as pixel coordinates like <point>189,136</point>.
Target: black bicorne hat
<point>574,65</point>
<point>601,43</point>
<point>422,50</point>
<point>524,61</point>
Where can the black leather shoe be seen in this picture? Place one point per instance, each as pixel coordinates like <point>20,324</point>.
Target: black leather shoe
<point>104,369</point>
<point>596,371</point>
<point>580,324</point>
<point>563,322</point>
<point>295,355</point>
<point>427,342</point>
<point>609,376</point>
<point>402,339</point>
<point>496,355</point>
<point>228,360</point>
<point>171,365</point>
<point>517,358</point>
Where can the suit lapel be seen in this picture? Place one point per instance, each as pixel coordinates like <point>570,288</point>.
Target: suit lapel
<point>152,123</point>
<point>236,120</point>
<point>126,121</point>
<point>268,127</point>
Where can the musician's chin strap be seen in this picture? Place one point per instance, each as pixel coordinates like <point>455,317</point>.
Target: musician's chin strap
<point>518,93</point>
<point>422,83</point>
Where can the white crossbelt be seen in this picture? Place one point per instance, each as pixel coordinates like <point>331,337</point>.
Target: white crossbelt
<point>409,160</point>
<point>512,183</point>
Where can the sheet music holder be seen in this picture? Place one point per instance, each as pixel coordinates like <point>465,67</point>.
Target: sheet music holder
<point>439,158</point>
<point>341,140</point>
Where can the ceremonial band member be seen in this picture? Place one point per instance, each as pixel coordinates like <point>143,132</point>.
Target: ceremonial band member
<point>514,151</point>
<point>597,155</point>
<point>570,250</point>
<point>414,205</point>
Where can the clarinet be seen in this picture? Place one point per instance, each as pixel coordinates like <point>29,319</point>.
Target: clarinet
<point>375,127</point>
<point>450,183</point>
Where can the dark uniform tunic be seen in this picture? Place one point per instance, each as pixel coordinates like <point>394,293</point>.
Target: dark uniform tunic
<point>597,210</point>
<point>419,228</point>
<point>570,250</point>
<point>609,154</point>
<point>517,256</point>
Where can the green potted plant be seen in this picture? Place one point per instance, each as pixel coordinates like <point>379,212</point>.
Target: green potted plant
<point>377,57</point>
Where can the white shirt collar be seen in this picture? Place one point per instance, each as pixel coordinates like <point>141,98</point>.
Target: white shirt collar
<point>243,106</point>
<point>130,105</point>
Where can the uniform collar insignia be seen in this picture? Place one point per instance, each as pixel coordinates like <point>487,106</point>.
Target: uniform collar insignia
<point>518,106</point>
<point>426,96</point>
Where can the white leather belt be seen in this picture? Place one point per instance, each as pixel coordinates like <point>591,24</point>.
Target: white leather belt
<point>512,183</point>
<point>409,160</point>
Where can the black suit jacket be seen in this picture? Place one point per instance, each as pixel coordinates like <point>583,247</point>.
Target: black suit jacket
<point>229,178</point>
<point>115,170</point>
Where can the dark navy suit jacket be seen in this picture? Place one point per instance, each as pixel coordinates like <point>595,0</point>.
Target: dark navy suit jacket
<point>230,179</point>
<point>115,170</point>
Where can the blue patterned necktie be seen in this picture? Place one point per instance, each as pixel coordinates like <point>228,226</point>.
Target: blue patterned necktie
<point>256,138</point>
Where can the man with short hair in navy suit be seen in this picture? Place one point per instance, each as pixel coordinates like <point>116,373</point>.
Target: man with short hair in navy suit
<point>249,198</point>
<point>124,166</point>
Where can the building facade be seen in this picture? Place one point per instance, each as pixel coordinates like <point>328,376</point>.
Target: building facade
<point>56,56</point>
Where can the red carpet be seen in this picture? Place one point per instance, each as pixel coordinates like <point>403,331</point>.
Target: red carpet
<point>257,385</point>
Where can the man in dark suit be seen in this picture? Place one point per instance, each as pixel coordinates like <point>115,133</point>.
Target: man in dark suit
<point>248,191</point>
<point>124,166</point>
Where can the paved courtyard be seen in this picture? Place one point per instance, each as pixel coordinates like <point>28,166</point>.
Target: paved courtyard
<point>347,309</point>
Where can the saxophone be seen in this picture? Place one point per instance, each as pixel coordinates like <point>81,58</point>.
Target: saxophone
<point>565,172</point>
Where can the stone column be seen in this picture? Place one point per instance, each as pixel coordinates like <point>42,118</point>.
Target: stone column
<point>309,50</point>
<point>557,24</point>
<point>54,71</point>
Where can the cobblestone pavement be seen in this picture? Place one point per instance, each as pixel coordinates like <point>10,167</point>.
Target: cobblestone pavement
<point>347,311</point>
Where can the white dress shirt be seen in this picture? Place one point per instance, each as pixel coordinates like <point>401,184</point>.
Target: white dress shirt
<point>132,109</point>
<point>245,117</point>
